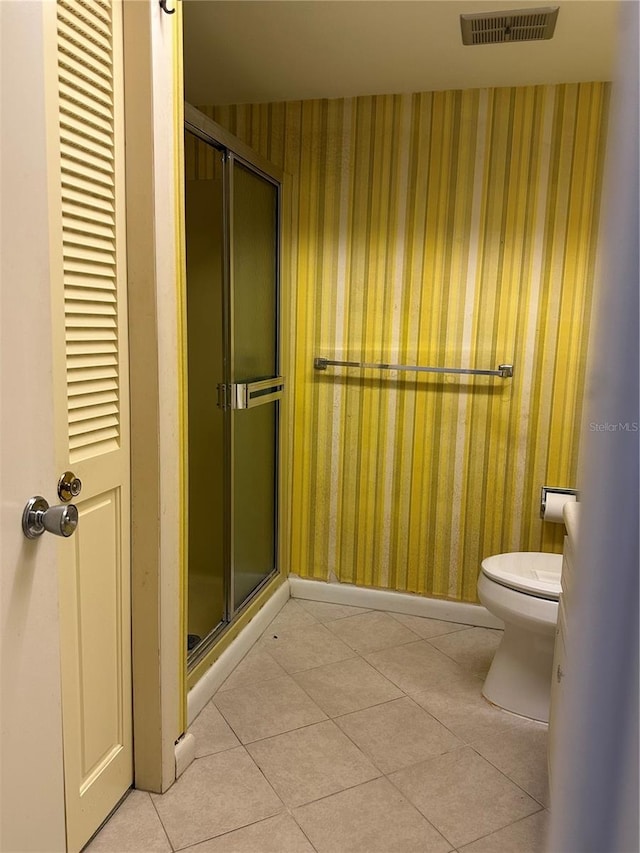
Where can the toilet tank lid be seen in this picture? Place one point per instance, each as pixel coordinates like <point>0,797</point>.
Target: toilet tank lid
<point>528,571</point>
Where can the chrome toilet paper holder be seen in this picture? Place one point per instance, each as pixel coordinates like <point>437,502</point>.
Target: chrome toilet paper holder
<point>547,490</point>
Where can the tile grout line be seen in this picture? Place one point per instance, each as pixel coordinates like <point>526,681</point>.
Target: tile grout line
<point>428,640</point>
<point>397,613</point>
<point>402,794</point>
<point>382,775</point>
<point>414,763</point>
<point>301,828</point>
<point>164,828</point>
<point>336,716</point>
<point>513,782</point>
<point>356,653</point>
<point>362,610</point>
<point>463,746</point>
<point>328,716</point>
<point>242,826</point>
<point>486,835</point>
<point>361,655</point>
<point>227,832</point>
<point>410,698</point>
<point>286,809</point>
<point>495,831</point>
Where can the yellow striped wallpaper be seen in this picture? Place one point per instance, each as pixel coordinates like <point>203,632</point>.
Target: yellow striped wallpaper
<point>449,229</point>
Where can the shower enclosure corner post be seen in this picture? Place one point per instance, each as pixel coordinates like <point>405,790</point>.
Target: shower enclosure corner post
<point>228,368</point>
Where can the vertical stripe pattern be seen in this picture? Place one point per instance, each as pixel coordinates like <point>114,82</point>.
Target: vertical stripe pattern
<point>448,228</point>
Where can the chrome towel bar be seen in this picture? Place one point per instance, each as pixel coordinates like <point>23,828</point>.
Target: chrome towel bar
<point>504,371</point>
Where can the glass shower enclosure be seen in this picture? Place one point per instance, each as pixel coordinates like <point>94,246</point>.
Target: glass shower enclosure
<point>232,213</point>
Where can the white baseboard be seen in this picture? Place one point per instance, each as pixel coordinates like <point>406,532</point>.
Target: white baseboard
<point>396,602</point>
<point>185,752</point>
<point>332,593</point>
<point>203,690</point>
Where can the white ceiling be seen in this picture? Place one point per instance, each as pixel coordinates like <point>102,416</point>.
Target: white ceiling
<point>250,51</point>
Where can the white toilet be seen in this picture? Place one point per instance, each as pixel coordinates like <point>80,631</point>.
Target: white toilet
<point>522,589</point>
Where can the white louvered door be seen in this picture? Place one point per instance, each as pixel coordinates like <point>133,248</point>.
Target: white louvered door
<point>91,389</point>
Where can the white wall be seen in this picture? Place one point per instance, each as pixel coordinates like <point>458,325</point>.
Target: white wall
<point>595,805</point>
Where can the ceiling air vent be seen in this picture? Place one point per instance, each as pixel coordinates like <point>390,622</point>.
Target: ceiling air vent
<point>509,26</point>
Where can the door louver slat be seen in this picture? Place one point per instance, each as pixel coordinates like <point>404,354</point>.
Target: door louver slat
<point>89,310</point>
<point>78,173</point>
<point>86,246</point>
<point>85,251</point>
<point>97,335</point>
<point>74,36</point>
<point>93,65</point>
<point>105,437</point>
<point>83,183</point>
<point>90,360</point>
<point>100,8</point>
<point>89,14</point>
<point>92,411</point>
<point>95,347</point>
<point>87,288</point>
<point>95,140</point>
<point>97,398</point>
<point>89,212</point>
<point>96,386</point>
<point>84,214</point>
<point>88,117</point>
<point>80,264</point>
<point>73,321</point>
<point>75,153</point>
<point>78,231</point>
<point>89,423</point>
<point>85,137</point>
<point>86,96</point>
<point>88,374</point>
<point>82,81</point>
<point>86,199</point>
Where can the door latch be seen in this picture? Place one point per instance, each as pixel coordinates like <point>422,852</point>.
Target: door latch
<point>69,486</point>
<point>222,396</point>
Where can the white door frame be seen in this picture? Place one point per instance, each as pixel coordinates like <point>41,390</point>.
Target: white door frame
<point>153,130</point>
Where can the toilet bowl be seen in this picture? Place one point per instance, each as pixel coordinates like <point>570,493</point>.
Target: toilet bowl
<point>522,589</point>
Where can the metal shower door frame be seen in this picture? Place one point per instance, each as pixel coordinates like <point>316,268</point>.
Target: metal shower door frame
<point>234,151</point>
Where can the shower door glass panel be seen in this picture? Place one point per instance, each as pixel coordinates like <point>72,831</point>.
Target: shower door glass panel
<point>205,359</point>
<point>254,342</point>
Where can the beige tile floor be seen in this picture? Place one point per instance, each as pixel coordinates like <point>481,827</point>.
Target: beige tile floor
<point>351,730</point>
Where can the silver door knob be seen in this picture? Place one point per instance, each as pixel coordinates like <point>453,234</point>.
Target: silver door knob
<point>38,516</point>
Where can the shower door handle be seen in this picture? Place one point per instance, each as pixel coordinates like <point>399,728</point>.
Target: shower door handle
<point>248,395</point>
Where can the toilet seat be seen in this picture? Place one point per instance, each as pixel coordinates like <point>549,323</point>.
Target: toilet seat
<point>530,572</point>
